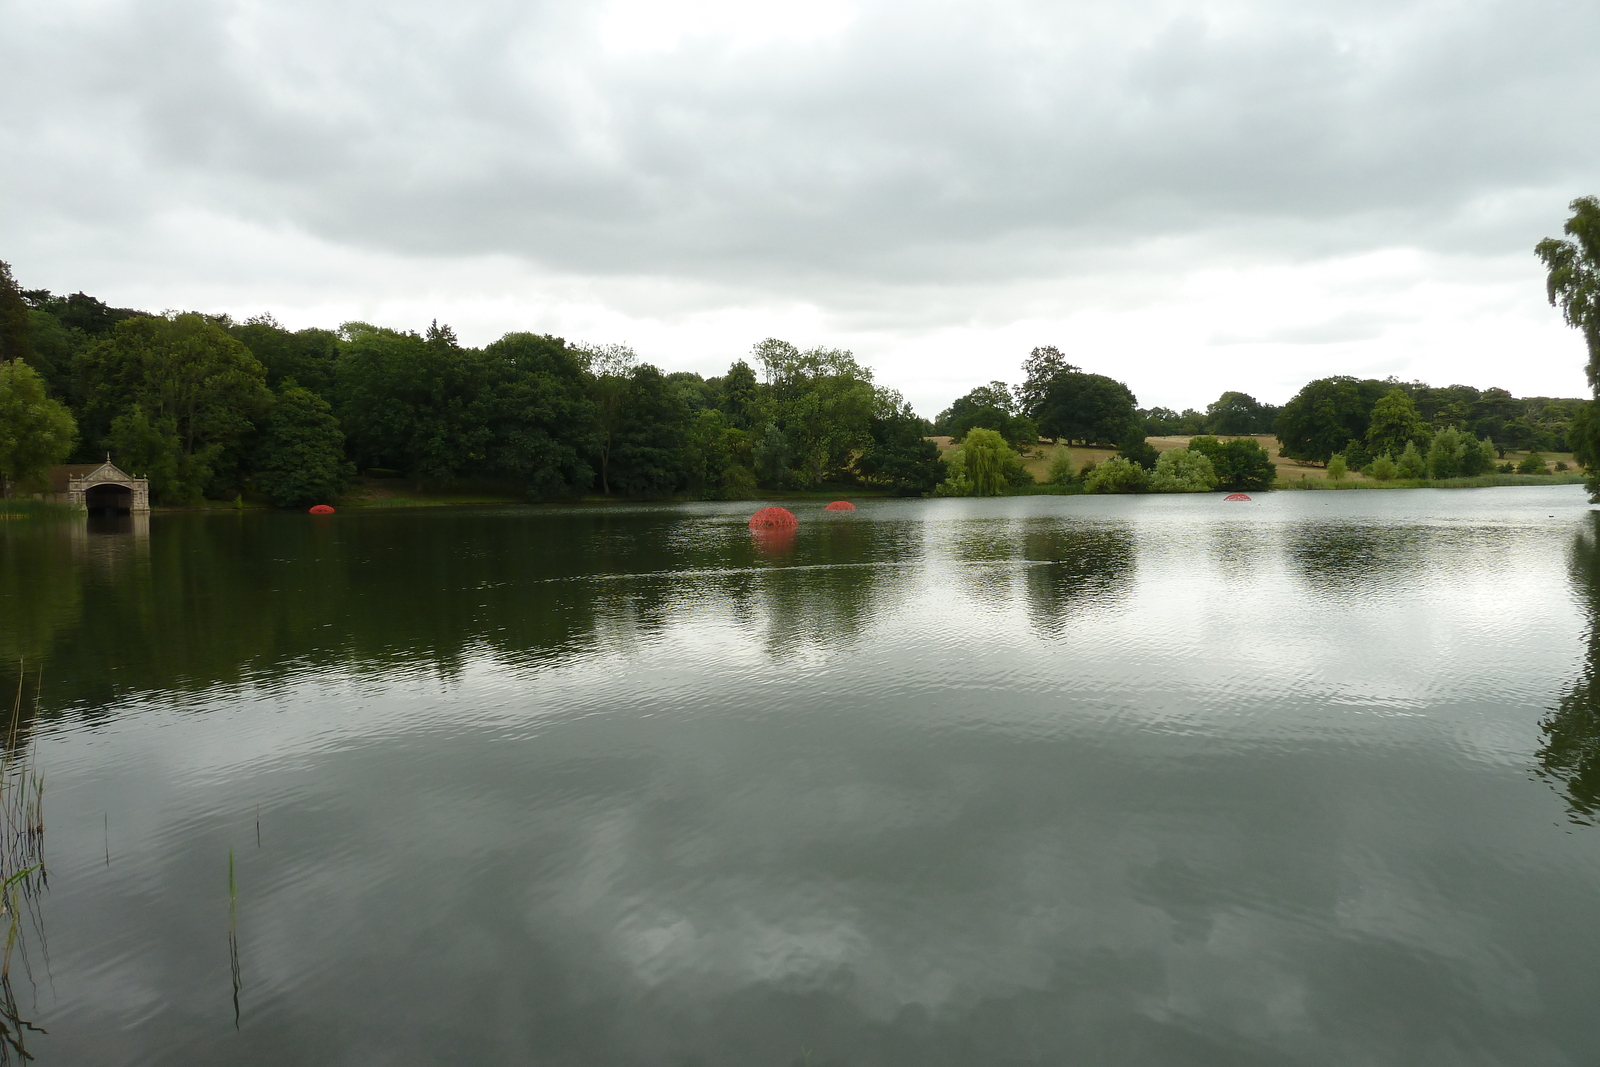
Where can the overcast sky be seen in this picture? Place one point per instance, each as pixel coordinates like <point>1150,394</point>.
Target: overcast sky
<point>1188,196</point>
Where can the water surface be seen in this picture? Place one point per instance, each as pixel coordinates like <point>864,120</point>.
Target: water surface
<point>1042,780</point>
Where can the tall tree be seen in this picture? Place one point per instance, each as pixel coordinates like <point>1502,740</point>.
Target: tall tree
<point>36,432</point>
<point>646,459</point>
<point>899,456</point>
<point>1236,414</point>
<point>611,368</point>
<point>1043,366</point>
<point>307,356</point>
<point>1573,284</point>
<point>1239,464</point>
<point>183,371</point>
<point>991,407</point>
<point>1395,423</point>
<point>300,459</point>
<point>1090,408</point>
<point>1325,414</point>
<point>545,430</point>
<point>13,319</point>
<point>739,397</point>
<point>822,401</point>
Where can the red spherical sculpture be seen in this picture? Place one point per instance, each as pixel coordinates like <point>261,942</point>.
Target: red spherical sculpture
<point>773,519</point>
<point>840,505</point>
<point>1237,496</point>
<point>321,509</point>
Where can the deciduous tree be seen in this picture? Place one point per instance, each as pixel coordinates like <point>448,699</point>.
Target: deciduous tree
<point>1573,284</point>
<point>300,459</point>
<point>36,432</point>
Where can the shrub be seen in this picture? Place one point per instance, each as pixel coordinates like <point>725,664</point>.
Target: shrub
<point>1061,472</point>
<point>1383,468</point>
<point>1532,463</point>
<point>1240,464</point>
<point>1116,475</point>
<point>1356,456</point>
<point>1561,465</point>
<point>1444,454</point>
<point>1337,468</point>
<point>1477,457</point>
<point>1179,470</point>
<point>1411,465</point>
<point>1508,468</point>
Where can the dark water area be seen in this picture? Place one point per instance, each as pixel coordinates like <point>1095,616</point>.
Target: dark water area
<point>1164,781</point>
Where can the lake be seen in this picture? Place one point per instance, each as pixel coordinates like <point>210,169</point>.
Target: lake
<point>1039,780</point>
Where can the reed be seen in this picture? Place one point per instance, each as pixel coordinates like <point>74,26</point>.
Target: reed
<point>23,876</point>
<point>233,936</point>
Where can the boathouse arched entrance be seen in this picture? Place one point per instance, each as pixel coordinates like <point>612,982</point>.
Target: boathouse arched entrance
<point>109,499</point>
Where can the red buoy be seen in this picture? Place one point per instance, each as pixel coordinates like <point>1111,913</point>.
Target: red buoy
<point>321,509</point>
<point>773,519</point>
<point>840,505</point>
<point>774,540</point>
<point>1237,496</point>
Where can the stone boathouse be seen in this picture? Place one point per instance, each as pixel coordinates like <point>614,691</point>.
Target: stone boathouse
<point>100,487</point>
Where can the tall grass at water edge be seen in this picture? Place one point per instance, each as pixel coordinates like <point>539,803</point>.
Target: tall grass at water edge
<point>23,877</point>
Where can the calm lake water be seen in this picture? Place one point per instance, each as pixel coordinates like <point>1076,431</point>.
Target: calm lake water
<point>1043,780</point>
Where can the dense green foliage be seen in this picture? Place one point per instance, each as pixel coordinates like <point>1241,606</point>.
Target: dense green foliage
<point>204,406</point>
<point>1411,465</point>
<point>1240,465</point>
<point>36,432</point>
<point>1233,413</point>
<point>1394,423</point>
<point>1061,472</point>
<point>1365,418</point>
<point>1180,470</point>
<point>183,392</point>
<point>14,340</point>
<point>301,456</point>
<point>1116,475</point>
<point>990,407</point>
<point>1135,449</point>
<point>984,465</point>
<point>1065,403</point>
<point>899,457</point>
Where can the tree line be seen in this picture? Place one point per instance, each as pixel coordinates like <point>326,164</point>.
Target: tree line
<point>206,406</point>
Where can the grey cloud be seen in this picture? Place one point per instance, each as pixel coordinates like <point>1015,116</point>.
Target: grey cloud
<point>926,145</point>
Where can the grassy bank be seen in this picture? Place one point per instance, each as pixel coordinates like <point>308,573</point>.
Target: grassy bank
<point>34,509</point>
<point>1480,482</point>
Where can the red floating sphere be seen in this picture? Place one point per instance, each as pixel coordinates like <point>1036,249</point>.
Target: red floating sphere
<point>773,519</point>
<point>840,505</point>
<point>774,540</point>
<point>1237,496</point>
<point>321,509</point>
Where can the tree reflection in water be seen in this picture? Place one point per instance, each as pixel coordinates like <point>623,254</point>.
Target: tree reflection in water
<point>1570,756</point>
